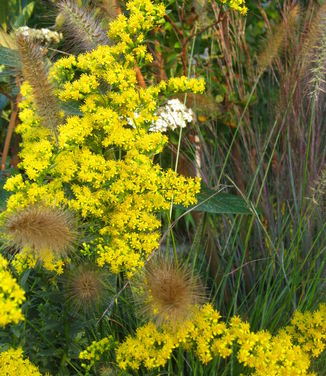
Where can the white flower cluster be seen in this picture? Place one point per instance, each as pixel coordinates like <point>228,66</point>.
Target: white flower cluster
<point>42,35</point>
<point>173,115</point>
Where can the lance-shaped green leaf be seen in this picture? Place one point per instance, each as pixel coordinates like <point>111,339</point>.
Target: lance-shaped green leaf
<point>216,202</point>
<point>24,15</point>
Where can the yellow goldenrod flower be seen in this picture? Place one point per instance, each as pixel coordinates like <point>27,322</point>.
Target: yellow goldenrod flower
<point>101,164</point>
<point>207,336</point>
<point>12,363</point>
<point>94,351</point>
<point>238,5</point>
<point>11,296</point>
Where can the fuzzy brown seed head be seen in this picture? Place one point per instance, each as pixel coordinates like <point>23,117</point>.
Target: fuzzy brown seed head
<point>86,287</point>
<point>171,293</point>
<point>81,26</point>
<point>35,72</point>
<point>275,39</point>
<point>41,228</point>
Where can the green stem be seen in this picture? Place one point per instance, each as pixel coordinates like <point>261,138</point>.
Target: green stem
<point>179,142</point>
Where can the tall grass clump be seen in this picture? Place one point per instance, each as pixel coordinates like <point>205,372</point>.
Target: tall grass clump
<point>273,261</point>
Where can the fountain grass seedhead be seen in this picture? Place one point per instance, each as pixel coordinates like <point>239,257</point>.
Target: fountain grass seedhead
<point>313,35</point>
<point>87,287</point>
<point>318,189</point>
<point>40,228</point>
<point>35,72</point>
<point>81,27</point>
<point>314,55</point>
<point>275,40</point>
<point>168,293</point>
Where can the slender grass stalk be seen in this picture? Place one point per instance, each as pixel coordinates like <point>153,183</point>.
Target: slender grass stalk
<point>180,129</point>
<point>179,147</point>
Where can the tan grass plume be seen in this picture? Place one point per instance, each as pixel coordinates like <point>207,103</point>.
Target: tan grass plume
<point>167,292</point>
<point>314,33</point>
<point>275,39</point>
<point>314,54</point>
<point>81,26</point>
<point>35,72</point>
<point>318,190</point>
<point>86,287</point>
<point>41,228</point>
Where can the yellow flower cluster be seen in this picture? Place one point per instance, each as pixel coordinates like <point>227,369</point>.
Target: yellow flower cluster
<point>101,162</point>
<point>150,347</point>
<point>143,14</point>
<point>267,354</point>
<point>37,151</point>
<point>28,192</point>
<point>181,84</point>
<point>208,337</point>
<point>24,261</point>
<point>238,5</point>
<point>27,260</point>
<point>12,363</point>
<point>11,296</point>
<point>308,330</point>
<point>94,351</point>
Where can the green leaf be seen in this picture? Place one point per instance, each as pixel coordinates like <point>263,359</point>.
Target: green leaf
<point>4,101</point>
<point>177,45</point>
<point>215,202</point>
<point>71,108</point>
<point>25,15</point>
<point>172,57</point>
<point>9,58</point>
